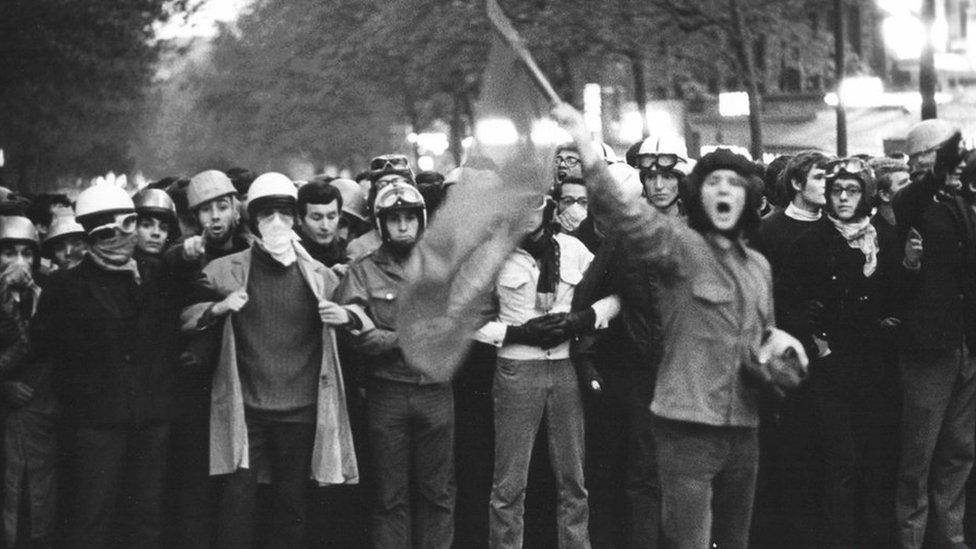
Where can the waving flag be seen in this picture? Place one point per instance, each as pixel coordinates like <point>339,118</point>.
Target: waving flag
<point>453,268</point>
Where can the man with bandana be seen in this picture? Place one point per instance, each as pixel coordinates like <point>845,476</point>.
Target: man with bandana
<point>535,380</point>
<point>278,411</point>
<point>109,328</point>
<point>409,417</point>
<point>31,415</point>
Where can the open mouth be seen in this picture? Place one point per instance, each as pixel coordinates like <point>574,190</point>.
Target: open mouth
<point>723,207</point>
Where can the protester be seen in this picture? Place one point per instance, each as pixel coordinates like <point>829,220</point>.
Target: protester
<point>534,379</point>
<point>65,244</point>
<point>618,366</point>
<point>30,409</point>
<point>157,225</point>
<point>383,170</point>
<point>319,211</point>
<point>354,219</point>
<point>938,371</point>
<point>109,328</point>
<point>278,410</point>
<point>717,322</point>
<point>846,278</point>
<point>662,165</point>
<point>892,176</point>
<point>410,417</point>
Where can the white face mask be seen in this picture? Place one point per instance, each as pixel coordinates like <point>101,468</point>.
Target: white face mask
<point>571,218</point>
<point>276,238</point>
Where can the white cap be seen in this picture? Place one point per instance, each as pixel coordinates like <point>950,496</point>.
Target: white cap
<point>272,184</point>
<point>99,199</point>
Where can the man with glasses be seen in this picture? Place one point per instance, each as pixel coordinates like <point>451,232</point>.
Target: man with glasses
<point>109,328</point>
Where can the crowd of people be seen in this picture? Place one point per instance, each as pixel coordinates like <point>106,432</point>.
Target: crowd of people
<point>679,354</point>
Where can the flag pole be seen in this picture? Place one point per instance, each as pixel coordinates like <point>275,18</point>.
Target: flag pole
<point>504,27</point>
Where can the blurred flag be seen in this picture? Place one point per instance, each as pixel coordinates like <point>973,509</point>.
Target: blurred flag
<point>452,270</point>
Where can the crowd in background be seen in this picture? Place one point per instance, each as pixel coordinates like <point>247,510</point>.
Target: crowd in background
<point>214,360</point>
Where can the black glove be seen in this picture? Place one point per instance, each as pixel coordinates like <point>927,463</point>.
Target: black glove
<point>948,155</point>
<point>542,331</point>
<point>579,322</point>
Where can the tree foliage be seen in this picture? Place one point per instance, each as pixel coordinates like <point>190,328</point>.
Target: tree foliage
<point>72,78</point>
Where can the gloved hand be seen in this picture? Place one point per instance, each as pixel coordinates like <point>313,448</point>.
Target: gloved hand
<point>579,322</point>
<point>948,155</point>
<point>542,331</point>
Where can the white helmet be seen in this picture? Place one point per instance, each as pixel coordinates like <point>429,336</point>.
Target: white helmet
<point>927,135</point>
<point>19,229</point>
<point>398,196</point>
<point>102,199</point>
<point>271,187</point>
<point>667,152</point>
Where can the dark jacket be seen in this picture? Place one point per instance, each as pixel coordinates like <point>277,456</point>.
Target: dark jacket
<point>633,340</point>
<point>112,343</point>
<point>827,270</point>
<point>941,305</point>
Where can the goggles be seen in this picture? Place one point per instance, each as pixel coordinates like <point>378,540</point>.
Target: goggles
<point>664,161</point>
<point>850,166</point>
<point>400,196</point>
<point>123,224</point>
<point>389,162</point>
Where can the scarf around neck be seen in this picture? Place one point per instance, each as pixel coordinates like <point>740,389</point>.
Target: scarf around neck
<point>546,253</point>
<point>119,243</point>
<point>799,214</point>
<point>860,235</point>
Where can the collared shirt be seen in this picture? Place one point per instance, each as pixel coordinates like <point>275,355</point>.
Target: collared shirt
<point>516,291</point>
<point>715,305</point>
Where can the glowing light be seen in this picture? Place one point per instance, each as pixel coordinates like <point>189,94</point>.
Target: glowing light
<point>631,127</point>
<point>896,7</point>
<point>592,109</point>
<point>496,131</point>
<point>467,142</point>
<point>547,132</point>
<point>733,104</point>
<point>425,163</point>
<point>434,143</point>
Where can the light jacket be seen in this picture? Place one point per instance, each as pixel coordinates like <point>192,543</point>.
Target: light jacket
<point>333,455</point>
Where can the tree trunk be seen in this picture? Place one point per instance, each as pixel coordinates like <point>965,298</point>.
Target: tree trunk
<point>636,58</point>
<point>742,43</point>
<point>926,64</point>
<point>457,149</point>
<point>839,76</point>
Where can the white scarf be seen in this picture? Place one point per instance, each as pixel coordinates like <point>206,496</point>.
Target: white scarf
<point>863,236</point>
<point>801,215</point>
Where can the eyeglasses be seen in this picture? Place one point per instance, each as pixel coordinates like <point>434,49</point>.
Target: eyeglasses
<point>852,165</point>
<point>851,190</point>
<point>123,224</point>
<point>662,161</point>
<point>567,201</point>
<point>569,161</point>
<point>389,162</point>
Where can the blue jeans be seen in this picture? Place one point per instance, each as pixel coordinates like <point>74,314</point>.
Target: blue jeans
<point>708,480</point>
<point>525,392</point>
<point>411,443</point>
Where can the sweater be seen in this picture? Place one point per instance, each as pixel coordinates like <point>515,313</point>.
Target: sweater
<point>279,348</point>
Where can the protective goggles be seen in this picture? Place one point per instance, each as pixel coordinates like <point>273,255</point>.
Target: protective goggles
<point>850,166</point>
<point>664,161</point>
<point>123,224</point>
<point>389,162</point>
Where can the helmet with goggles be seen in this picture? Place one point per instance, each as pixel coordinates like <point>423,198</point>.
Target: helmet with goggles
<point>105,208</point>
<point>398,197</point>
<point>660,154</point>
<point>390,164</point>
